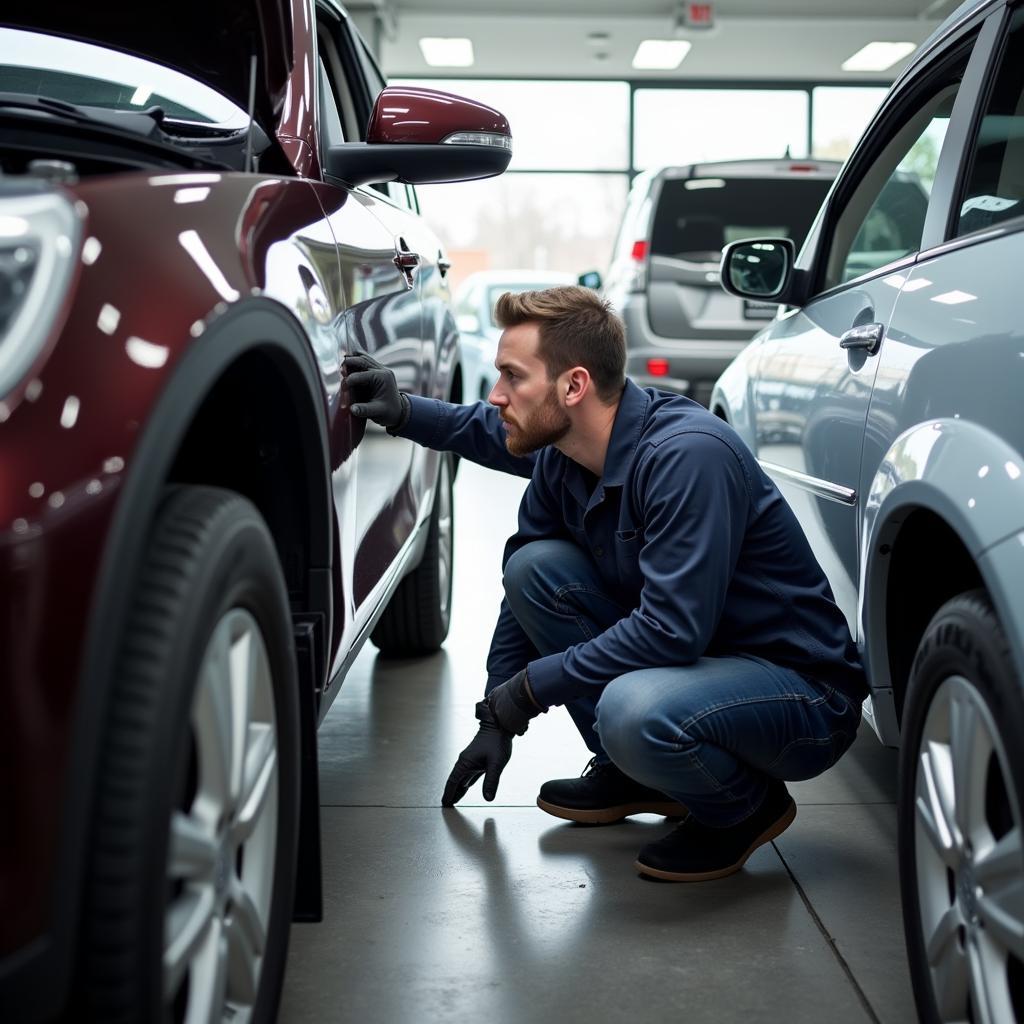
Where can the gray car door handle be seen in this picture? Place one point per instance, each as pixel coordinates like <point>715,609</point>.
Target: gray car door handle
<point>406,262</point>
<point>867,336</point>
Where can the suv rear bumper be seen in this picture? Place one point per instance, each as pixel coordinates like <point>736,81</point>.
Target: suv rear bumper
<point>694,364</point>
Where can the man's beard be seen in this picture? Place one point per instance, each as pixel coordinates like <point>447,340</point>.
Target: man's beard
<point>547,425</point>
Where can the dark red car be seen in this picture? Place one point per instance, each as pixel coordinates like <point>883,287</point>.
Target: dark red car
<point>200,214</point>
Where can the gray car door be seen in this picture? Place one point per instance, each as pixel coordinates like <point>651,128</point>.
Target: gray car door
<point>818,363</point>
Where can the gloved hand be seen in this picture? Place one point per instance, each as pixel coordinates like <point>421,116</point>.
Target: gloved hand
<point>505,712</point>
<point>487,755</point>
<point>513,705</point>
<point>379,398</point>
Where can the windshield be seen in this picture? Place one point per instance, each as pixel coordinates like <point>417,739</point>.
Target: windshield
<point>696,217</point>
<point>34,64</point>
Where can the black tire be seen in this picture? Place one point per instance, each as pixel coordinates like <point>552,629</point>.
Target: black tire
<point>950,879</point>
<point>211,569</point>
<point>417,617</point>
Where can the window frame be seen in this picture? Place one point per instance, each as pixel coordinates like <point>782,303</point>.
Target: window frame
<point>977,37</point>
<point>993,69</point>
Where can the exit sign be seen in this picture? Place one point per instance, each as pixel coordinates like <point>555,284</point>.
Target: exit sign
<point>699,15</point>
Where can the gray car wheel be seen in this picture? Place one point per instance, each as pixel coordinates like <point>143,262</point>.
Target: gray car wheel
<point>193,866</point>
<point>961,852</point>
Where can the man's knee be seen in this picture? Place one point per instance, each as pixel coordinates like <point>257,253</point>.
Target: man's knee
<point>631,723</point>
<point>533,568</point>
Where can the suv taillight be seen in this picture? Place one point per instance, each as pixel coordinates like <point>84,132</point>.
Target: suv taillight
<point>638,273</point>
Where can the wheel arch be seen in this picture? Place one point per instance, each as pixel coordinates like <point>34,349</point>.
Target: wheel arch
<point>252,342</point>
<point>944,494</point>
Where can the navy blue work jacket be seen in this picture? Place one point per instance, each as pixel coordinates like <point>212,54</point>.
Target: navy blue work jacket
<point>685,528</point>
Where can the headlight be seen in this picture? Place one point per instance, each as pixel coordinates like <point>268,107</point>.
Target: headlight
<point>38,239</point>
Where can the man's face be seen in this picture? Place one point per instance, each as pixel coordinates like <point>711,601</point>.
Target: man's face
<point>529,404</point>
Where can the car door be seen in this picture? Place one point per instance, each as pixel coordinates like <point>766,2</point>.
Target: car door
<point>818,362</point>
<point>379,311</point>
<point>952,349</point>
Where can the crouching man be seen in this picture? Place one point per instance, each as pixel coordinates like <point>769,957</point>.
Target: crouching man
<point>658,588</point>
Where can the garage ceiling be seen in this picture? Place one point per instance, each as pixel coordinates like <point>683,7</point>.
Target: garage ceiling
<point>750,39</point>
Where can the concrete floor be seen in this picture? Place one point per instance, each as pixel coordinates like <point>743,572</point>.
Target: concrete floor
<point>500,913</point>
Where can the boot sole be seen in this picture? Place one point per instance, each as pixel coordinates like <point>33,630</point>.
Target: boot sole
<point>609,815</point>
<point>775,829</point>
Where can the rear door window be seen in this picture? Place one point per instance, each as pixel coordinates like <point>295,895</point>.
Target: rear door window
<point>884,214</point>
<point>696,217</point>
<point>994,191</point>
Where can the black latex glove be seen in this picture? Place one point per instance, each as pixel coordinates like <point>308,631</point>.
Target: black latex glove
<point>487,755</point>
<point>376,392</point>
<point>513,705</point>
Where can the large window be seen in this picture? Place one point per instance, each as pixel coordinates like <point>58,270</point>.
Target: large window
<point>576,145</point>
<point>555,125</point>
<point>841,113</point>
<point>559,204</point>
<point>683,126</point>
<point>527,221</point>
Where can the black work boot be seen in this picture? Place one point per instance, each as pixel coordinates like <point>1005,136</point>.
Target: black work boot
<point>696,852</point>
<point>603,794</point>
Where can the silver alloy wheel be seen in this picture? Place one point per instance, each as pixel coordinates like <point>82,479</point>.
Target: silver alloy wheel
<point>222,848</point>
<point>969,858</point>
<point>445,530</point>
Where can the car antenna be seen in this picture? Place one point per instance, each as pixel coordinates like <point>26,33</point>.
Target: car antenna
<point>252,114</point>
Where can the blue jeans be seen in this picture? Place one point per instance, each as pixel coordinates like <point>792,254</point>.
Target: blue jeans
<point>710,734</point>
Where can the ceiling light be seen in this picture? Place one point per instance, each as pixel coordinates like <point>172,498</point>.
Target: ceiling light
<point>454,52</point>
<point>661,54</point>
<point>878,56</point>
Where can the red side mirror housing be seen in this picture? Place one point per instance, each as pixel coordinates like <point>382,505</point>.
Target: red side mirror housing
<point>423,136</point>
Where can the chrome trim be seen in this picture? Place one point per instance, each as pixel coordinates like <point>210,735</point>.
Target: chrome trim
<point>820,488</point>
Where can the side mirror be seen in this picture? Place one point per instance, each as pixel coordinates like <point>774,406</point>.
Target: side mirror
<point>760,268</point>
<point>591,279</point>
<point>423,136</point>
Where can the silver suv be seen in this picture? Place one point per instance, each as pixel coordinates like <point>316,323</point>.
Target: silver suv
<point>682,330</point>
<point>886,401</point>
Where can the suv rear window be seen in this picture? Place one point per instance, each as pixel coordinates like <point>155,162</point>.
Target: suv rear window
<point>696,217</point>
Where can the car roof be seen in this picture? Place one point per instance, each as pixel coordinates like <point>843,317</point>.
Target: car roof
<point>767,168</point>
<point>964,12</point>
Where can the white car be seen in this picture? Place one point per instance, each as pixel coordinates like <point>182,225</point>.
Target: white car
<point>474,314</point>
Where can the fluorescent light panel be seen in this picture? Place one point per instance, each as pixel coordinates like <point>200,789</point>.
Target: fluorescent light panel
<point>878,56</point>
<point>447,52</point>
<point>660,54</point>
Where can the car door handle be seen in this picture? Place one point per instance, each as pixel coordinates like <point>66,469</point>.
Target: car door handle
<point>406,260</point>
<point>443,264</point>
<point>867,336</point>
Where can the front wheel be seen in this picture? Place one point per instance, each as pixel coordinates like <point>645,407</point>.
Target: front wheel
<point>960,839</point>
<point>192,870</point>
<point>417,617</point>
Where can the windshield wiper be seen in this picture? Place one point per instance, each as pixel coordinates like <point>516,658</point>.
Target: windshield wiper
<point>142,122</point>
<point>138,128</point>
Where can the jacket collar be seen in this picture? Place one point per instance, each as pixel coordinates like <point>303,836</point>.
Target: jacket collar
<point>629,421</point>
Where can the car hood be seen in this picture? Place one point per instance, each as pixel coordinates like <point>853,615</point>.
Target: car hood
<point>212,41</point>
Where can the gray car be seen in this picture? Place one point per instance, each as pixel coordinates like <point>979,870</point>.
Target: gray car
<point>886,401</point>
<point>682,330</point>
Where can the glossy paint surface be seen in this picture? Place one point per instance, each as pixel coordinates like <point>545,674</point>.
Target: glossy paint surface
<point>136,310</point>
<point>413,114</point>
<point>161,259</point>
<point>296,126</point>
<point>930,421</point>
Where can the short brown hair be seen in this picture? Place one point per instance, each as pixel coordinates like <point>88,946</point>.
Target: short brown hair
<point>577,328</point>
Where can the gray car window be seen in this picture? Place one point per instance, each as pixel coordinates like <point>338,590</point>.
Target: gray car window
<point>696,217</point>
<point>995,188</point>
<point>883,219</point>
